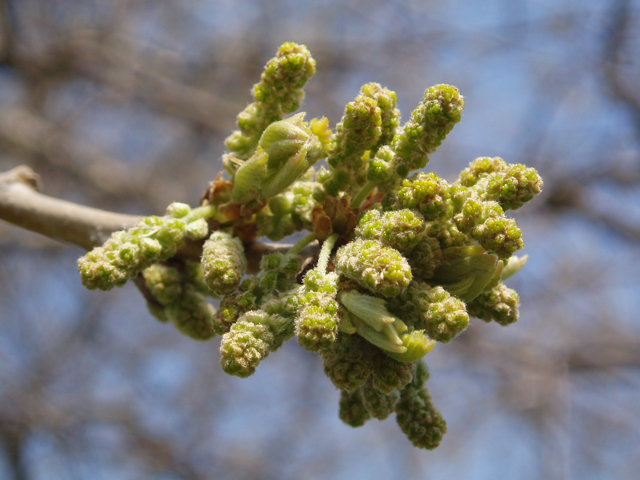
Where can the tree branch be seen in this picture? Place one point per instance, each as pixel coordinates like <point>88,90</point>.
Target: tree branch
<point>22,205</point>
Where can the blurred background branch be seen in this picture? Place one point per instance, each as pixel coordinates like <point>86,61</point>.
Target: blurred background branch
<point>123,105</point>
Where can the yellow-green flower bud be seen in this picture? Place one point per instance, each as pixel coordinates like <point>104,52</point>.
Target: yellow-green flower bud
<point>425,258</point>
<point>427,193</point>
<point>198,229</point>
<point>181,301</point>
<point>178,210</point>
<point>441,315</point>
<point>420,421</point>
<point>379,405</point>
<point>499,304</point>
<point>128,252</point>
<point>383,270</point>
<point>430,123</point>
<point>352,409</point>
<point>389,114</point>
<point>223,262</point>
<point>346,362</point>
<point>244,346</point>
<point>192,315</point>
<point>399,229</point>
<point>317,322</point>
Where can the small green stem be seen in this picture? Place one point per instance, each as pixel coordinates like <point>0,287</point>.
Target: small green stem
<point>303,242</point>
<point>362,194</point>
<point>205,211</point>
<point>325,252</point>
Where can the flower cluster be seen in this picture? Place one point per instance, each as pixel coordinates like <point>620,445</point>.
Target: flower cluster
<point>223,262</point>
<point>404,258</point>
<point>128,252</point>
<point>178,295</point>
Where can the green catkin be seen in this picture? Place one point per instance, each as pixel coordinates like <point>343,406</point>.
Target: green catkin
<point>447,234</point>
<point>278,272</point>
<point>284,76</point>
<point>389,115</point>
<point>416,416</point>
<point>251,339</point>
<point>440,109</point>
<point>288,270</point>
<point>389,374</point>
<point>182,303</point>
<point>163,282</point>
<point>192,315</point>
<point>317,322</point>
<point>358,132</point>
<point>346,362</point>
<point>480,168</point>
<point>352,409</point>
<point>425,192</point>
<point>195,276</point>
<point>303,204</point>
<point>499,304</point>
<point>128,252</point>
<point>486,223</point>
<point>399,229</point>
<point>383,270</point>
<point>244,346</point>
<point>425,258</point>
<point>378,404</point>
<point>380,171</point>
<point>278,94</point>
<point>351,360</point>
<point>510,185</point>
<point>513,187</point>
<point>368,124</point>
<point>233,305</point>
<point>223,263</point>
<point>419,420</point>
<point>441,315</point>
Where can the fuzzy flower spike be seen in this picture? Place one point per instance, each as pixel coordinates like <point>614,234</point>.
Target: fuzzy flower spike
<point>390,259</point>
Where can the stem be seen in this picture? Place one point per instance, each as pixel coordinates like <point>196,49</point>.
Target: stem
<point>205,211</point>
<point>23,206</point>
<point>362,194</point>
<point>85,227</point>
<point>303,242</point>
<point>325,253</point>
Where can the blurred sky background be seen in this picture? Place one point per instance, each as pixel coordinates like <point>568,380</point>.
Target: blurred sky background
<point>124,105</point>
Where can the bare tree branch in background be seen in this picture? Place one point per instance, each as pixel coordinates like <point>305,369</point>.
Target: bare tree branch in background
<point>556,376</point>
